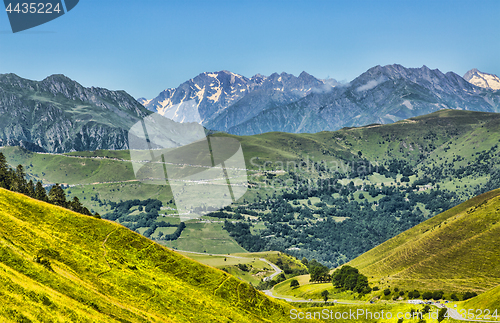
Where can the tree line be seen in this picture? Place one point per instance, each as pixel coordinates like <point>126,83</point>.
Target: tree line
<point>16,180</point>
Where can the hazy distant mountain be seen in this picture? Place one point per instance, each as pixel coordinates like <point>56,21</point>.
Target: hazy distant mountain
<point>485,80</point>
<point>223,99</point>
<point>380,95</point>
<point>59,115</point>
<point>282,102</point>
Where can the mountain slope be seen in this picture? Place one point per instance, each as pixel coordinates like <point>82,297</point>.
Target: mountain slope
<point>456,250</point>
<point>59,266</point>
<point>489,300</point>
<point>380,95</point>
<point>59,115</point>
<point>484,80</point>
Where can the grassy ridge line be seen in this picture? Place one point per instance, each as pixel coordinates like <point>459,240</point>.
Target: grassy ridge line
<point>146,283</point>
<point>454,250</point>
<point>489,300</point>
<point>398,242</point>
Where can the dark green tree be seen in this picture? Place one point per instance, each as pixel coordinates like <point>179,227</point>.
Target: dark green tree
<point>30,189</point>
<point>40,193</point>
<point>294,283</point>
<point>19,180</point>
<point>5,176</point>
<point>57,196</point>
<point>325,295</point>
<point>75,205</point>
<point>361,283</point>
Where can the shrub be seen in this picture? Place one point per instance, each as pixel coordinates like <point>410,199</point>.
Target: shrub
<point>387,291</point>
<point>427,295</point>
<point>469,295</point>
<point>366,290</point>
<point>244,267</point>
<point>44,262</point>
<point>437,295</point>
<point>442,314</point>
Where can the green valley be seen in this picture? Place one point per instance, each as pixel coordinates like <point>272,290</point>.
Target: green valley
<point>312,195</point>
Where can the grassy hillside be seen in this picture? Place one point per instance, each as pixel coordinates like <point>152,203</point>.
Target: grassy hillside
<point>489,300</point>
<point>455,251</point>
<point>59,266</point>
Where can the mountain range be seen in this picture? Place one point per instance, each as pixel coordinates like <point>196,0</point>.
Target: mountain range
<point>58,114</point>
<point>222,98</point>
<point>230,102</point>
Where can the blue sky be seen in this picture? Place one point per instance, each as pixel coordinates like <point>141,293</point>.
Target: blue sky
<point>145,46</point>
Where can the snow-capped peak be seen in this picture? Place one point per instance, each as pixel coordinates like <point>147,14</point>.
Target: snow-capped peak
<point>484,80</point>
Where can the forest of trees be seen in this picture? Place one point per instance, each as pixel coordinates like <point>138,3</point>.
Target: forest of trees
<point>15,180</point>
<point>370,213</point>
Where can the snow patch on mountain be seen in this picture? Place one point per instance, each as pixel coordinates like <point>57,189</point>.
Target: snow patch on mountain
<point>484,80</point>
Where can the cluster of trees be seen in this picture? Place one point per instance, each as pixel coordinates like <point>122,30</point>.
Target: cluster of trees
<point>148,217</point>
<point>122,212</point>
<point>317,271</point>
<point>331,242</point>
<point>349,278</point>
<point>225,215</point>
<point>15,180</point>
<point>123,207</point>
<point>161,236</point>
<point>241,233</point>
<point>435,295</point>
<point>291,224</point>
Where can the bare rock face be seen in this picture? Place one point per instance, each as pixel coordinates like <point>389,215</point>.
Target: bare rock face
<point>59,115</point>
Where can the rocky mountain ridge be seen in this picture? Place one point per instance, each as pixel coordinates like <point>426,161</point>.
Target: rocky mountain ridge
<point>58,114</point>
<point>228,102</point>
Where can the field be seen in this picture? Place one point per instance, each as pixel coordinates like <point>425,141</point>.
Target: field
<point>205,238</point>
